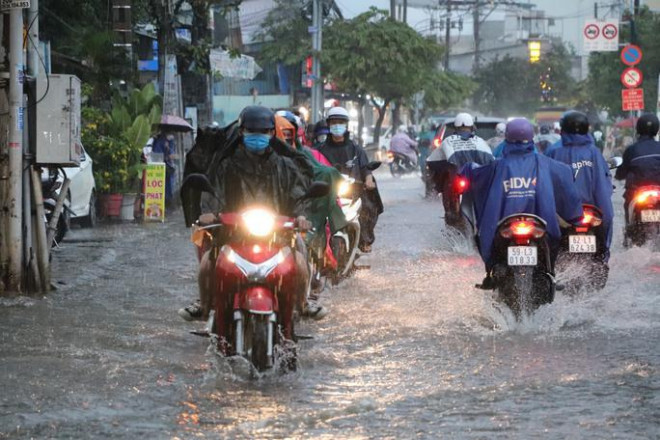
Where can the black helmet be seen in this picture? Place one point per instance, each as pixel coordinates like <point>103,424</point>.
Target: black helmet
<point>574,123</point>
<point>545,129</point>
<point>255,117</point>
<point>647,125</point>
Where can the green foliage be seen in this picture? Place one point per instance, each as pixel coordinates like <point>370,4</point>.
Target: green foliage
<point>115,140</point>
<point>285,35</point>
<point>603,85</point>
<point>512,86</point>
<point>372,54</point>
<point>445,90</point>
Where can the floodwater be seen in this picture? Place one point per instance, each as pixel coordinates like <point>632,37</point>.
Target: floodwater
<point>410,349</point>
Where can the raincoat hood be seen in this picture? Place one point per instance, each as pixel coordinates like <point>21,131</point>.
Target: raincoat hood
<point>576,140</point>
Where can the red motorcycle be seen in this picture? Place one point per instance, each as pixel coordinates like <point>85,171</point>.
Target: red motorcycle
<point>258,283</point>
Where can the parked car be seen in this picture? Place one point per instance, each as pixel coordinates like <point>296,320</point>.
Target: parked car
<point>81,197</point>
<point>485,129</point>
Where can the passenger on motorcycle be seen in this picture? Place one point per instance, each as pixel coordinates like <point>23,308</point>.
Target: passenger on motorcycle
<point>520,182</point>
<point>254,174</point>
<point>590,170</point>
<point>321,133</point>
<point>340,150</point>
<point>402,144</point>
<point>455,151</point>
<point>641,160</point>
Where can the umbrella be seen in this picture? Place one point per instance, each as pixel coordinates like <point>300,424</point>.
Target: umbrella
<point>626,123</point>
<point>174,123</point>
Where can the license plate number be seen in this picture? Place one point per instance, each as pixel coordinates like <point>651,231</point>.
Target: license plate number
<point>522,255</point>
<point>582,244</point>
<point>651,216</point>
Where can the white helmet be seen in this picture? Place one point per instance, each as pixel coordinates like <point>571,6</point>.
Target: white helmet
<point>338,113</point>
<point>556,126</point>
<point>403,128</point>
<point>500,129</point>
<point>463,120</point>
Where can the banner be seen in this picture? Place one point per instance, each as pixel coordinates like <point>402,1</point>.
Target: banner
<point>243,67</point>
<point>154,192</point>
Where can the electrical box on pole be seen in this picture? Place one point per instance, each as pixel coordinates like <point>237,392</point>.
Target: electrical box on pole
<point>58,120</point>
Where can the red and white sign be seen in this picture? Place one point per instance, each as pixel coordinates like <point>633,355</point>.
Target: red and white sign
<point>600,35</point>
<point>633,99</point>
<point>631,77</point>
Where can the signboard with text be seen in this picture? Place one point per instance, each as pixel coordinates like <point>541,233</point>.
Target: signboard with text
<point>633,99</point>
<point>6,5</point>
<point>600,35</point>
<point>154,192</point>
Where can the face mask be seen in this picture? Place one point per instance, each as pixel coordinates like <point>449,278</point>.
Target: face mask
<point>465,135</point>
<point>256,142</point>
<point>322,138</point>
<point>338,129</point>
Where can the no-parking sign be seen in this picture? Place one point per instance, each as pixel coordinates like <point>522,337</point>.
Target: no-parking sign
<point>600,35</point>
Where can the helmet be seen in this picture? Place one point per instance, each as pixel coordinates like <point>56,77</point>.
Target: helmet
<point>545,129</point>
<point>255,117</point>
<point>574,123</point>
<point>500,129</point>
<point>463,120</point>
<point>402,128</point>
<point>286,114</point>
<point>556,126</point>
<point>519,130</point>
<point>321,128</point>
<point>647,125</point>
<point>337,113</point>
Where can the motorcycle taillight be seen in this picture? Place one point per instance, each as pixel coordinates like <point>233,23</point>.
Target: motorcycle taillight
<point>591,218</point>
<point>522,229</point>
<point>647,196</point>
<point>460,185</point>
<point>437,142</point>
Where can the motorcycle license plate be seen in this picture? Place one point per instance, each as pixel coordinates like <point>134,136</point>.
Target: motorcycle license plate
<point>582,244</point>
<point>651,216</point>
<point>522,255</point>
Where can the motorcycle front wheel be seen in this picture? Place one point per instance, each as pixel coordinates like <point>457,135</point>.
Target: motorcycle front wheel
<point>257,341</point>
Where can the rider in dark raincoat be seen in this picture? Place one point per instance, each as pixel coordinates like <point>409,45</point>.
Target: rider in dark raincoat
<point>520,182</point>
<point>590,171</point>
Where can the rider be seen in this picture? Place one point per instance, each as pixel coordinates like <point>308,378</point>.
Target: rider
<point>590,171</point>
<point>255,174</point>
<point>321,133</point>
<point>496,140</point>
<point>402,144</point>
<point>462,147</point>
<point>641,160</point>
<point>339,150</point>
<point>546,138</point>
<point>548,192</point>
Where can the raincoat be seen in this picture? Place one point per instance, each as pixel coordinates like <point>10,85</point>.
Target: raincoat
<point>521,182</point>
<point>641,163</point>
<point>590,173</point>
<point>402,144</point>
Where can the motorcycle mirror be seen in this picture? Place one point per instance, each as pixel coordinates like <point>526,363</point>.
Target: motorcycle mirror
<point>317,189</point>
<point>199,182</point>
<point>371,166</point>
<point>615,162</point>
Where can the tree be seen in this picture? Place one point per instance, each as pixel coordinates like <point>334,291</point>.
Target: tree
<point>603,85</point>
<point>512,86</point>
<point>446,89</point>
<point>377,56</point>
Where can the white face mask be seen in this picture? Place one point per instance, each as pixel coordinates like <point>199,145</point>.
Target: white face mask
<point>338,129</point>
<point>321,138</point>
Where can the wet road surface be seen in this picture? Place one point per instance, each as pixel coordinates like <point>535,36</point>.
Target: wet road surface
<point>410,350</point>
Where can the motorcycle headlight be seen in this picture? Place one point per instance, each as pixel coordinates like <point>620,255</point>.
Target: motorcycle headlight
<point>259,222</point>
<point>344,189</point>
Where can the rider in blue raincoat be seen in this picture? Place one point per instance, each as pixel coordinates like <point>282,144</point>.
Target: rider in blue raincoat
<point>520,182</point>
<point>590,170</point>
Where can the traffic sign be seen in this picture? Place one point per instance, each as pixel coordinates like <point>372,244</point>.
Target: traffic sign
<point>631,55</point>
<point>631,77</point>
<point>632,99</point>
<point>600,35</point>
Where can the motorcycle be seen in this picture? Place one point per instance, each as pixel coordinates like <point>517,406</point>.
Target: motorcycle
<point>522,270</point>
<point>255,304</point>
<point>453,217</point>
<point>50,186</point>
<point>583,246</point>
<point>344,243</point>
<point>643,216</point>
<point>401,164</point>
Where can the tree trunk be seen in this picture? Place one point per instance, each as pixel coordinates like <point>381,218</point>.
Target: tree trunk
<point>360,128</point>
<point>381,117</point>
<point>396,115</point>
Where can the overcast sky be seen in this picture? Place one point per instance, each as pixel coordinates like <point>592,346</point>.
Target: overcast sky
<point>570,15</point>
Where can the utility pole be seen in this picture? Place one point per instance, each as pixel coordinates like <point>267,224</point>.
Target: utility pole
<point>595,10</point>
<point>15,143</point>
<point>477,23</point>
<point>317,81</point>
<point>447,35</point>
<point>405,11</point>
<point>393,9</point>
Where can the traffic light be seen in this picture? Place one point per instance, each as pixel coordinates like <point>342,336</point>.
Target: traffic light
<point>534,51</point>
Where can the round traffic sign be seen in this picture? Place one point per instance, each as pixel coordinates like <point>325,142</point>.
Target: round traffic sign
<point>631,77</point>
<point>591,31</point>
<point>610,31</point>
<point>631,55</point>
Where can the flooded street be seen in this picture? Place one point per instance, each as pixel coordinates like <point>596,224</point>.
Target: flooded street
<point>410,348</point>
